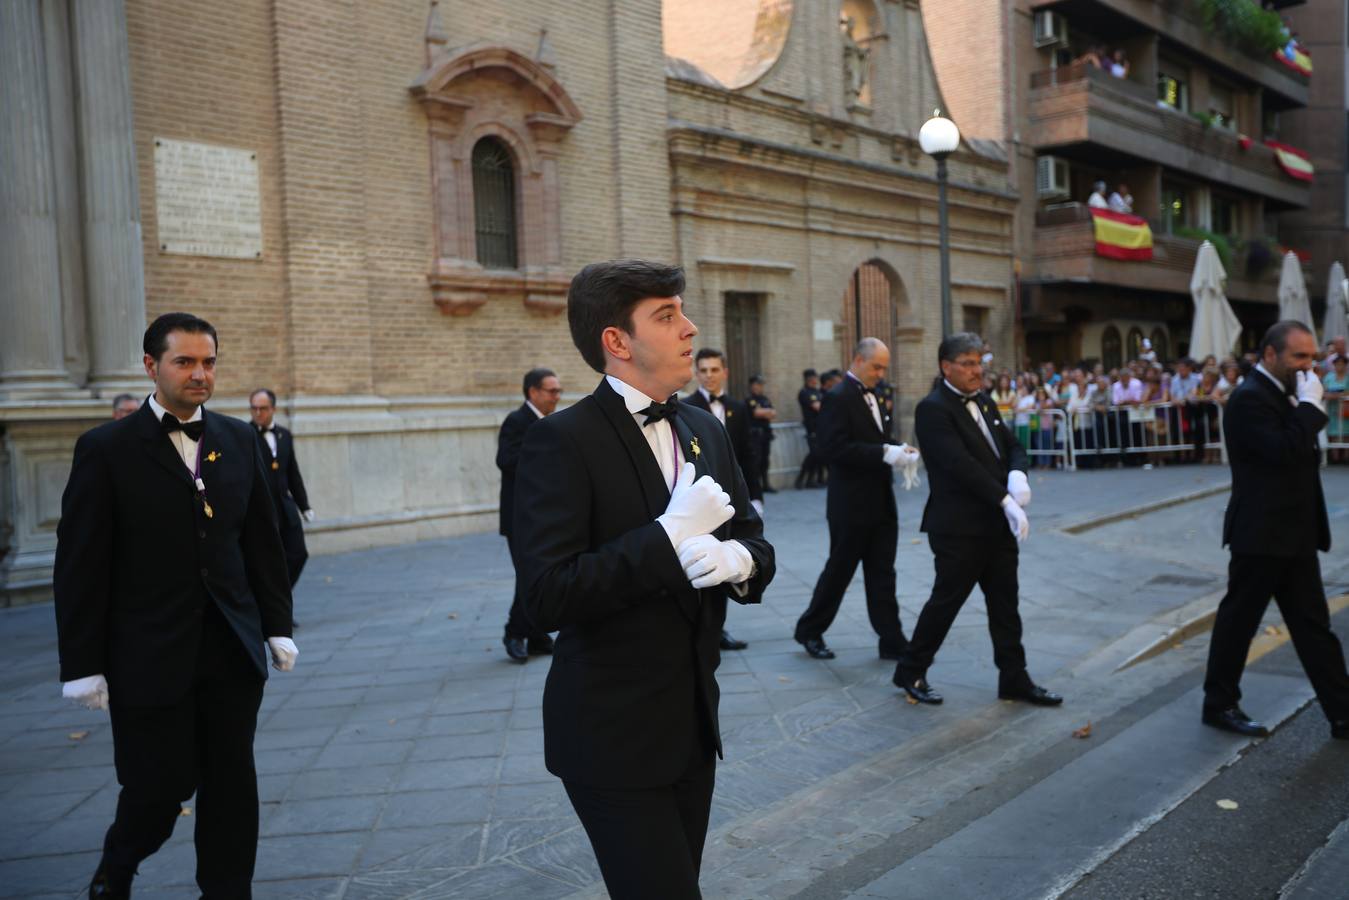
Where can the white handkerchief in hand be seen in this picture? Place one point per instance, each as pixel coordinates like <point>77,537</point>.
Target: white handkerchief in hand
<point>910,472</point>
<point>284,653</point>
<point>90,692</point>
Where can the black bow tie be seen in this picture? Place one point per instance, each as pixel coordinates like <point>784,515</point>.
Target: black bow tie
<point>191,429</point>
<point>657,411</point>
<point>717,398</point>
<point>269,428</point>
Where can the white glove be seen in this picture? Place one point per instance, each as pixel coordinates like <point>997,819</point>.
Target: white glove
<point>284,653</point>
<point>708,562</point>
<point>1016,518</point>
<point>90,692</point>
<point>309,515</point>
<point>758,507</point>
<point>1018,487</point>
<point>901,455</point>
<point>1310,390</point>
<point>696,507</point>
<point>910,472</point>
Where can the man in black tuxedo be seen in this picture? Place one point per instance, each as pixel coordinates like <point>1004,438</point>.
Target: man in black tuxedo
<point>974,521</point>
<point>810,398</point>
<point>626,537</point>
<point>542,390</point>
<point>170,579</point>
<point>283,479</point>
<point>860,505</point>
<point>1276,521</point>
<point>710,367</point>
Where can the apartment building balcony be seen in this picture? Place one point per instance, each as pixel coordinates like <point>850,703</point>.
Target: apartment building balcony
<point>1178,23</point>
<point>1065,251</point>
<point>1081,112</point>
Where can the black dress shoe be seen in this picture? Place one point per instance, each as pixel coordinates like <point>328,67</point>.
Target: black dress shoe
<point>1339,729</point>
<point>1034,695</point>
<point>1234,720</point>
<point>107,886</point>
<point>730,643</point>
<point>515,648</point>
<point>540,646</point>
<point>817,650</point>
<point>918,689</point>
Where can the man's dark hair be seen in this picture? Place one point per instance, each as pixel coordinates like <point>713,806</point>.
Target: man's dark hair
<point>809,374</point>
<point>534,378</point>
<point>956,344</point>
<point>271,397</point>
<point>1277,335</point>
<point>156,339</point>
<point>757,379</point>
<point>709,353</point>
<point>122,398</point>
<point>603,294</point>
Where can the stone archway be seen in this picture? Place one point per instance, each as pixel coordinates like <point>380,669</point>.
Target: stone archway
<point>875,295</point>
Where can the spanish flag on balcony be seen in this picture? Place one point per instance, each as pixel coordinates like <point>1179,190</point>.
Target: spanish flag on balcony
<point>1298,61</point>
<point>1121,236</point>
<point>1294,162</point>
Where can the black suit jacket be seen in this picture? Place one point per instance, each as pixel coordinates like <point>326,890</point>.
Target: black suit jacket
<point>510,439</point>
<point>283,476</point>
<point>737,426</point>
<point>1277,506</point>
<point>137,559</point>
<point>631,688</point>
<point>967,481</point>
<point>861,484</point>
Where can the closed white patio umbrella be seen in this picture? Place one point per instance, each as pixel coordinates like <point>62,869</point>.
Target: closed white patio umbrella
<point>1216,328</point>
<point>1293,301</point>
<point>1336,323</point>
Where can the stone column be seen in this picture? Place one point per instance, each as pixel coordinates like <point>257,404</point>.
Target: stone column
<point>113,265</point>
<point>31,343</point>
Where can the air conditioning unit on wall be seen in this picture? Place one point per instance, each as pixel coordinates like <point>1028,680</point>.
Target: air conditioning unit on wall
<point>1051,178</point>
<point>1051,29</point>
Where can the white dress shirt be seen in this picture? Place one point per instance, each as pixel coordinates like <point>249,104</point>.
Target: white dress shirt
<point>186,447</point>
<point>659,435</point>
<point>870,398</point>
<point>714,405</point>
<point>270,437</point>
<point>972,407</point>
<point>534,409</point>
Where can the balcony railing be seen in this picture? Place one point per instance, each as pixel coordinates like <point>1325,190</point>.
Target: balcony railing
<point>1081,104</point>
<point>1065,250</point>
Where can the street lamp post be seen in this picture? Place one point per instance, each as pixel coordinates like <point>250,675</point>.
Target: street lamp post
<point>939,137</point>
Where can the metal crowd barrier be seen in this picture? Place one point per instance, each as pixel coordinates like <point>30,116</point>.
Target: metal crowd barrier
<point>1185,431</point>
<point>1338,442</point>
<point>1046,442</point>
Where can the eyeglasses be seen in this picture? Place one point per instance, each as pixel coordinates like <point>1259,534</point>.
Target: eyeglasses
<point>552,392</point>
<point>260,408</point>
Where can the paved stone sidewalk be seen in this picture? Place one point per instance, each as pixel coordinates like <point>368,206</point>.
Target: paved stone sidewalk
<point>403,757</point>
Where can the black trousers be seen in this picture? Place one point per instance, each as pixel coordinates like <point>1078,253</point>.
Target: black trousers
<point>517,623</point>
<point>649,842</point>
<point>812,467</point>
<point>202,743</point>
<point>763,449</point>
<point>292,540</point>
<point>961,562</point>
<point>1295,584</point>
<point>874,547</point>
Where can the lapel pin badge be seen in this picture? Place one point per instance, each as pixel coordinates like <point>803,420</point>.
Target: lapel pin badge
<point>275,465</point>
<point>213,456</point>
<point>697,451</point>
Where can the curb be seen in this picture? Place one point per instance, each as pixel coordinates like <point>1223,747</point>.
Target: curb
<point>1111,518</point>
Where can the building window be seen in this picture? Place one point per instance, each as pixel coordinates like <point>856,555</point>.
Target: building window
<point>1172,89</point>
<point>1224,214</point>
<point>975,319</point>
<point>1160,344</point>
<point>742,339</point>
<point>494,204</point>
<point>1110,348</point>
<point>1222,106</point>
<point>1174,211</point>
<point>1135,343</point>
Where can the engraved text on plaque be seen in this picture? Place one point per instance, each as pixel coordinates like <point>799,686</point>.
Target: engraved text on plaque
<point>206,200</point>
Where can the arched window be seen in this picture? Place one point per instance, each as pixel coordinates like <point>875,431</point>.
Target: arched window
<point>1159,344</point>
<point>1110,348</point>
<point>494,204</point>
<point>1135,342</point>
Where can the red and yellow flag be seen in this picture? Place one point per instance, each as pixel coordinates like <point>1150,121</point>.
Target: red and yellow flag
<point>1294,162</point>
<point>1299,61</point>
<point>1121,236</point>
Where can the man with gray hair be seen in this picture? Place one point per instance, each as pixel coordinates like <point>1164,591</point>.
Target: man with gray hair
<point>863,521</point>
<point>974,521</point>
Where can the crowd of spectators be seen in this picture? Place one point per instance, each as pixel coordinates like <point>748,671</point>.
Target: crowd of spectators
<point>1146,412</point>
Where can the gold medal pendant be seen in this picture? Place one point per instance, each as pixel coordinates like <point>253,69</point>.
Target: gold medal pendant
<point>206,507</point>
<point>275,465</point>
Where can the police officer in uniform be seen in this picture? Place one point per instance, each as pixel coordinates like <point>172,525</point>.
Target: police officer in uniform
<point>761,416</point>
<point>809,398</point>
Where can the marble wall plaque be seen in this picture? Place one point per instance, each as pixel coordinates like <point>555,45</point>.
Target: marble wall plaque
<point>207,201</point>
